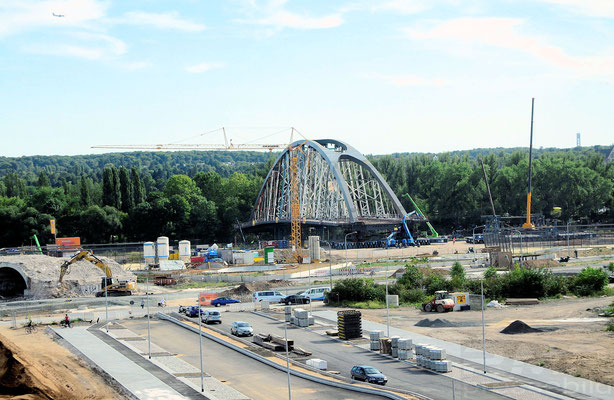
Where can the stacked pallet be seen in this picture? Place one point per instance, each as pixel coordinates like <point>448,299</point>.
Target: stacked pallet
<point>394,346</point>
<point>432,358</point>
<point>350,324</point>
<point>374,337</point>
<point>288,313</point>
<point>301,318</point>
<point>404,348</point>
<point>385,345</point>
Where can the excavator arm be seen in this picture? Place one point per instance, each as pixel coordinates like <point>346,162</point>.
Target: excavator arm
<point>85,255</point>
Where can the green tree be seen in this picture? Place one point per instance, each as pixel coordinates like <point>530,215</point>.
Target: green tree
<point>126,190</point>
<point>84,191</point>
<point>43,179</point>
<point>138,189</point>
<point>183,186</point>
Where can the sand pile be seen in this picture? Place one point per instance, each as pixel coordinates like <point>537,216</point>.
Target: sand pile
<point>517,327</point>
<point>249,288</point>
<point>436,323</point>
<point>43,272</point>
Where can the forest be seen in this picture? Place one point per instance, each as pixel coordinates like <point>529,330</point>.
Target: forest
<point>202,196</point>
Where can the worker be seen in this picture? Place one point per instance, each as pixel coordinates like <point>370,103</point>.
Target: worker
<point>29,322</point>
<point>142,303</point>
<point>162,303</point>
<point>66,321</point>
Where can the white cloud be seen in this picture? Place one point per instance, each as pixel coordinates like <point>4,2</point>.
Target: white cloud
<point>133,66</point>
<point>593,8</point>
<point>286,19</point>
<point>83,45</point>
<point>506,33</point>
<point>406,80</point>
<point>203,67</point>
<point>170,20</point>
<point>274,14</point>
<point>23,16</point>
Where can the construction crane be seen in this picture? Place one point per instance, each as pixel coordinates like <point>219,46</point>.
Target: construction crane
<point>295,205</point>
<point>112,287</point>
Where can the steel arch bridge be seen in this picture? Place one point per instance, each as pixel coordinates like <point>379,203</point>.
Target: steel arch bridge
<point>338,186</point>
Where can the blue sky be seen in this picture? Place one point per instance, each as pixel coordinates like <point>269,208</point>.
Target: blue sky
<point>385,76</point>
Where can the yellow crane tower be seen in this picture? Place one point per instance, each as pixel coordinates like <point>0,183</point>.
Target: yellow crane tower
<point>295,205</point>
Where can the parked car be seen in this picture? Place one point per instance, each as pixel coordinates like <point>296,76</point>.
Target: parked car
<point>211,317</point>
<point>240,328</point>
<point>369,374</point>
<point>222,301</point>
<point>269,295</point>
<point>192,311</point>
<point>315,294</point>
<point>296,299</point>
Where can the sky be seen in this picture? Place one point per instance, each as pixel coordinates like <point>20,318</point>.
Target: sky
<point>384,76</point>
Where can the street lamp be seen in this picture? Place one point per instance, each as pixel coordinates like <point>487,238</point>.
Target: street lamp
<point>346,249</point>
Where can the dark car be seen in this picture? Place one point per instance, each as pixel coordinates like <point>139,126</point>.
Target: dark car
<point>222,301</point>
<point>192,311</point>
<point>369,374</point>
<point>296,299</point>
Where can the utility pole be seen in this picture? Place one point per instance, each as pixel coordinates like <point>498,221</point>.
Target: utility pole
<point>483,328</point>
<point>148,327</point>
<point>200,345</point>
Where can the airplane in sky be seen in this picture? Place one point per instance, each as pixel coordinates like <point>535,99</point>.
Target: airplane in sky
<point>58,15</point>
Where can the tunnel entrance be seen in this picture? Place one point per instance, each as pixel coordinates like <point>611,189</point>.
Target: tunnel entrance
<point>11,283</point>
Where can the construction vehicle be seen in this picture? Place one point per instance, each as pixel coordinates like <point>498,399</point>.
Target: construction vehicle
<point>108,286</point>
<point>441,303</point>
<point>405,238</point>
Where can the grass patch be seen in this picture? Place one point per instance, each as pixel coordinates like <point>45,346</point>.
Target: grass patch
<point>368,305</point>
<point>610,326</point>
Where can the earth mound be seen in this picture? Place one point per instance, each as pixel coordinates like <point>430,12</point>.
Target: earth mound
<point>517,327</point>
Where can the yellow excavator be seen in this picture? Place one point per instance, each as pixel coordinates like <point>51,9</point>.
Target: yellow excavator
<point>113,287</point>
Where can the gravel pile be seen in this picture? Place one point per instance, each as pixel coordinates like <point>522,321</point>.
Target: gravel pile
<point>436,323</point>
<point>517,327</point>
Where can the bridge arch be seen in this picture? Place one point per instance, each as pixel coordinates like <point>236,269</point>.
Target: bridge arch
<point>337,186</point>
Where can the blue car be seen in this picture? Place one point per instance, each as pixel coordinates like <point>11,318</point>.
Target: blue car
<point>192,311</point>
<point>222,301</point>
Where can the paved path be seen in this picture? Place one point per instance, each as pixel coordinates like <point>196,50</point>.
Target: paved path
<point>138,376</point>
<point>570,385</point>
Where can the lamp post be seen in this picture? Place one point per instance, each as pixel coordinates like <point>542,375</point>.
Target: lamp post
<point>483,329</point>
<point>106,296</point>
<point>346,249</point>
<point>330,263</point>
<point>148,328</point>
<point>288,355</point>
<point>200,345</point>
<point>387,306</point>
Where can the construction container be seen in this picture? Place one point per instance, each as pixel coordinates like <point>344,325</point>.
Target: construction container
<point>163,248</point>
<point>149,252</point>
<point>185,250</point>
<point>269,255</point>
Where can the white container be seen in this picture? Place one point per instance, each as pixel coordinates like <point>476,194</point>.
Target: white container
<point>404,354</point>
<point>149,251</point>
<point>162,248</point>
<point>317,363</point>
<point>185,248</point>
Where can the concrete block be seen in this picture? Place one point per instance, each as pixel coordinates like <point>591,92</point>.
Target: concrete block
<point>404,344</point>
<point>395,341</point>
<point>317,363</point>
<point>404,354</point>
<point>303,322</point>
<point>395,352</point>
<point>375,335</point>
<point>312,321</point>
<point>374,345</point>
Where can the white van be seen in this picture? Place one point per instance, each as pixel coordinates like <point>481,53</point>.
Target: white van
<point>271,296</point>
<point>315,293</point>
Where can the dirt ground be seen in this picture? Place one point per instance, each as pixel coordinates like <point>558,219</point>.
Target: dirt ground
<point>574,340</point>
<point>34,366</point>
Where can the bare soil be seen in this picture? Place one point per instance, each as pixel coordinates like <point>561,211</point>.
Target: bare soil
<point>573,340</point>
<point>34,366</point>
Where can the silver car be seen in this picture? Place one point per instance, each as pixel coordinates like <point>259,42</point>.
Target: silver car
<point>240,328</point>
<point>211,317</point>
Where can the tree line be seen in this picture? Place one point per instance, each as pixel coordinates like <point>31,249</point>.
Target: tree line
<point>203,196</point>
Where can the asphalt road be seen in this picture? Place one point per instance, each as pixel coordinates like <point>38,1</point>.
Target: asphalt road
<point>341,357</point>
<point>250,377</point>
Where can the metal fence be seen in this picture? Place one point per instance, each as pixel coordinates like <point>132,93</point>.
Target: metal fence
<point>519,240</point>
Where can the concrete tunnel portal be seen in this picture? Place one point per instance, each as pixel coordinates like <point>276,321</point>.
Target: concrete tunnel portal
<point>12,283</point>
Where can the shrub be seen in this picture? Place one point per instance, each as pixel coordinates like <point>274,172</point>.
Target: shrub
<point>491,272</point>
<point>457,271</point>
<point>556,285</point>
<point>412,295</point>
<point>590,281</point>
<point>434,283</point>
<point>356,289</point>
<point>522,282</point>
<point>412,277</point>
